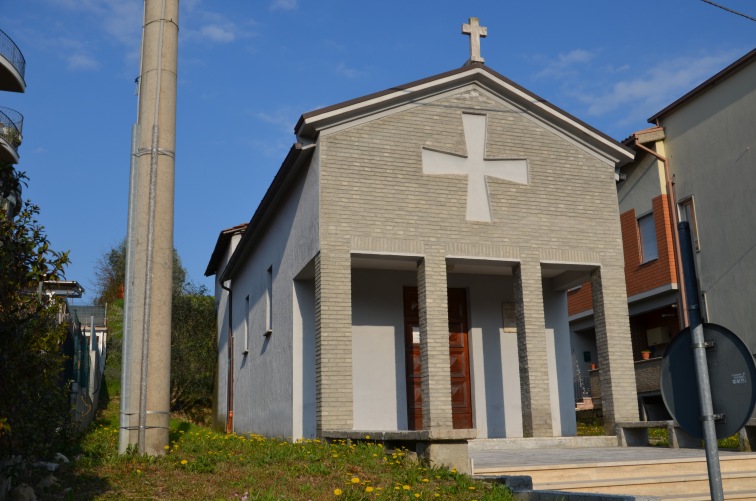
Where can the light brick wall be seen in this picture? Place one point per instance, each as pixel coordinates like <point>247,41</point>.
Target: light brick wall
<point>614,347</point>
<point>434,341</point>
<point>375,197</point>
<point>333,339</point>
<point>531,347</point>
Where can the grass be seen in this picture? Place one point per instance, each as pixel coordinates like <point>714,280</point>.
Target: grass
<point>202,464</point>
<point>656,436</point>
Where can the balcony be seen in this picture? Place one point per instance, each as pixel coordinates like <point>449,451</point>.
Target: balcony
<point>12,65</point>
<point>11,124</point>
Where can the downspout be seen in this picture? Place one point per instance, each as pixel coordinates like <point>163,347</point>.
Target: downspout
<point>671,203</point>
<point>230,377</point>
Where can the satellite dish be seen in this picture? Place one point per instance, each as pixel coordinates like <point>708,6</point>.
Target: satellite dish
<point>732,377</point>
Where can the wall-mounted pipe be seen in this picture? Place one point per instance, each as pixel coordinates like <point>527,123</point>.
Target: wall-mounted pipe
<point>672,204</point>
<point>230,376</point>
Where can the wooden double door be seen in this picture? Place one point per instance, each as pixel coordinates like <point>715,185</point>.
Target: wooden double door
<point>459,359</point>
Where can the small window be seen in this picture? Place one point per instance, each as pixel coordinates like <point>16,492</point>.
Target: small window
<point>246,325</point>
<point>269,302</point>
<point>687,213</point>
<point>647,232</point>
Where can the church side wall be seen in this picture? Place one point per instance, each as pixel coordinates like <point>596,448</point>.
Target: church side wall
<point>263,389</point>
<point>220,396</point>
<point>710,148</point>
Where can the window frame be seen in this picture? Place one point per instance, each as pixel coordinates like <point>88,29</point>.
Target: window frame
<point>645,244</point>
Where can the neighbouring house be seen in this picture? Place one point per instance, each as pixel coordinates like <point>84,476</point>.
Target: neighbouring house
<point>405,275</point>
<point>12,69</point>
<point>694,164</point>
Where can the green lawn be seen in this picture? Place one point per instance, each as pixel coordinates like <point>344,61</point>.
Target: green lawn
<point>202,464</point>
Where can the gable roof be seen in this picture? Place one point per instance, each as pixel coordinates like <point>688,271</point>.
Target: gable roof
<point>310,124</point>
<point>220,247</point>
<point>704,87</point>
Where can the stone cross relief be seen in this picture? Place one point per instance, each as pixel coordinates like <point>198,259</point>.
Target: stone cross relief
<point>476,32</point>
<point>475,166</point>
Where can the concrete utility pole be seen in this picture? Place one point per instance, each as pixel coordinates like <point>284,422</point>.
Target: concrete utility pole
<point>145,380</point>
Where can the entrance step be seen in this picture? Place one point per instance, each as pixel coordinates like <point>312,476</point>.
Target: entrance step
<point>490,444</point>
<point>684,478</point>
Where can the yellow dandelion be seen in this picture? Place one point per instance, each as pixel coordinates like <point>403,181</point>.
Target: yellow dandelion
<point>472,487</point>
<point>368,489</point>
<point>417,495</point>
<point>166,447</point>
<point>437,495</point>
<point>184,461</point>
<point>139,471</point>
<point>335,455</point>
<point>367,437</point>
<point>426,480</point>
<point>406,487</point>
<point>337,492</point>
<point>355,480</point>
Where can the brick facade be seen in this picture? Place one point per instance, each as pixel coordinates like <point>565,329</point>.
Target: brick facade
<point>375,198</point>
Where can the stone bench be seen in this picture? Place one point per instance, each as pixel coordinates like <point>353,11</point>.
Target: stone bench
<point>635,433</point>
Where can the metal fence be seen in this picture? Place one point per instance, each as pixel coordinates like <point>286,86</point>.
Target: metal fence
<point>12,53</point>
<point>11,125</point>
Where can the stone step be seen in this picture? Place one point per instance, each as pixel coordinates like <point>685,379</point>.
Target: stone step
<point>555,473</point>
<point>663,486</point>
<point>492,444</point>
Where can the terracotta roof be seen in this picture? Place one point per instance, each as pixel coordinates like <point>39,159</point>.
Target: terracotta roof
<point>708,84</point>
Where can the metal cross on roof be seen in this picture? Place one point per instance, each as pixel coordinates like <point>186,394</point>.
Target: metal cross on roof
<point>476,31</point>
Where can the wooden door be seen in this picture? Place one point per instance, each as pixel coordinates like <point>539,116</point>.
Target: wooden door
<point>459,359</point>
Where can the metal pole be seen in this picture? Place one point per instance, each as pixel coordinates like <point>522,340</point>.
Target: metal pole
<point>702,368</point>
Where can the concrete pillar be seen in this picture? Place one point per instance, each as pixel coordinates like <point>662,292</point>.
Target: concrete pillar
<point>333,340</point>
<point>531,347</point>
<point>434,342</point>
<point>151,236</point>
<point>614,347</point>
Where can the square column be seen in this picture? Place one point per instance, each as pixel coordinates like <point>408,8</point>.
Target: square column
<point>614,347</point>
<point>531,348</point>
<point>333,341</point>
<point>434,342</point>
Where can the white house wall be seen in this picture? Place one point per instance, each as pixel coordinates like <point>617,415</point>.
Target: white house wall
<point>263,385</point>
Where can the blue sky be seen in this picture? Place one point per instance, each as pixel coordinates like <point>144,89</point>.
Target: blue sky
<point>248,69</point>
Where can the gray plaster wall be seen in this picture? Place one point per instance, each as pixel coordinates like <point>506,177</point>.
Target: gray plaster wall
<point>560,361</point>
<point>710,146</point>
<point>380,394</point>
<point>220,397</point>
<point>494,366</point>
<point>264,376</point>
<point>644,182</point>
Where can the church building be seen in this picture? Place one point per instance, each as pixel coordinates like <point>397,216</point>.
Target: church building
<point>405,275</point>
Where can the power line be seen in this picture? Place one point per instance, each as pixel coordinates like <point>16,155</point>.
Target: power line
<point>730,10</point>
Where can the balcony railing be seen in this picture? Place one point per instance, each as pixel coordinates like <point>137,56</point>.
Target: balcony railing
<point>12,53</point>
<point>11,125</point>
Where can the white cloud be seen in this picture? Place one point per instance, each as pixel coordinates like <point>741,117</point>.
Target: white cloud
<point>658,86</point>
<point>82,62</point>
<point>216,33</point>
<point>565,63</point>
<point>283,118</point>
<point>344,70</point>
<point>214,28</point>
<point>284,5</point>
